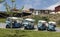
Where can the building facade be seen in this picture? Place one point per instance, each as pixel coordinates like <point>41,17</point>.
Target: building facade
<point>38,12</point>
<point>57,9</point>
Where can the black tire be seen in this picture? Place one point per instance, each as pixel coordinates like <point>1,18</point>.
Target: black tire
<point>7,26</point>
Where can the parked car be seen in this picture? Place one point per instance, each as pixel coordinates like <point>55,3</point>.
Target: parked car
<point>51,26</point>
<point>13,22</point>
<point>28,23</point>
<point>42,25</point>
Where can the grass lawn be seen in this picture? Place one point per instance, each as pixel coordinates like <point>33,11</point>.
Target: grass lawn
<point>2,20</point>
<point>26,33</point>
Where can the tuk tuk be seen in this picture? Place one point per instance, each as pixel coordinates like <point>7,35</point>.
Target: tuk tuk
<point>14,22</point>
<point>42,25</point>
<point>51,26</point>
<point>28,23</point>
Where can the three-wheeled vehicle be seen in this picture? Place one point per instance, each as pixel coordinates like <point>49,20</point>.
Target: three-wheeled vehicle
<point>14,22</point>
<point>42,25</point>
<point>51,26</point>
<point>28,23</point>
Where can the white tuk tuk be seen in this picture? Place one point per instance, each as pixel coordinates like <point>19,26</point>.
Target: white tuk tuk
<point>51,26</point>
<point>14,22</point>
<point>28,23</point>
<point>42,25</point>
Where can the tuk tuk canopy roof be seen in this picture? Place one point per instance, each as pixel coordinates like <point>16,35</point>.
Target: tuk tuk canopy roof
<point>42,21</point>
<point>28,19</point>
<point>52,22</point>
<point>15,18</point>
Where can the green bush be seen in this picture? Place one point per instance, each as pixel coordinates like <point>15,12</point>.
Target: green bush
<point>58,22</point>
<point>45,18</point>
<point>37,18</point>
<point>40,18</point>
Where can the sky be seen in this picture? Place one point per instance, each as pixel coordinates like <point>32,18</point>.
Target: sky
<point>36,4</point>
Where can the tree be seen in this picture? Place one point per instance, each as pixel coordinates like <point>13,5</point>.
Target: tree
<point>12,3</point>
<point>1,1</point>
<point>7,8</point>
<point>21,10</point>
<point>13,6</point>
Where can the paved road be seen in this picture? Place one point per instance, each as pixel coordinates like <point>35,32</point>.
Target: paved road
<point>57,29</point>
<point>3,25</point>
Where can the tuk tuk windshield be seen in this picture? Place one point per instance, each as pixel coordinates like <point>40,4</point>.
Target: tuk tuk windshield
<point>28,22</point>
<point>39,23</point>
